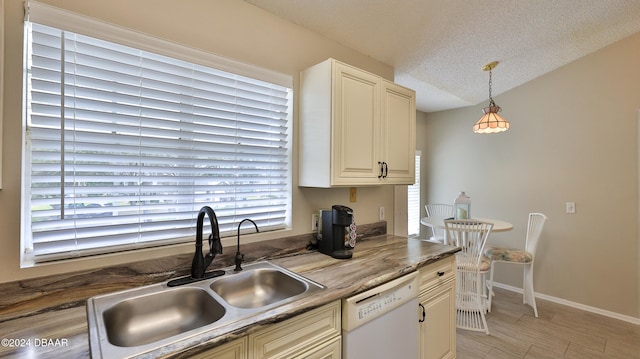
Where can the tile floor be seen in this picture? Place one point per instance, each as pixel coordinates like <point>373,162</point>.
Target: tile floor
<point>558,332</point>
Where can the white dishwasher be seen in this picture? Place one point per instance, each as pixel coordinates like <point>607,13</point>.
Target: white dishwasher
<point>382,322</point>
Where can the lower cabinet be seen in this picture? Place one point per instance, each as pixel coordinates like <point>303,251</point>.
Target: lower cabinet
<point>315,334</point>
<point>306,335</point>
<point>438,305</point>
<point>236,349</point>
<point>329,350</point>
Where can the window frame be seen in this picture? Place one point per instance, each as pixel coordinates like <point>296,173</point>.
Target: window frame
<point>64,20</point>
<point>413,208</point>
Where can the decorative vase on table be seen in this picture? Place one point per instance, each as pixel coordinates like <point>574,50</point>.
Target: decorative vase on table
<point>462,206</point>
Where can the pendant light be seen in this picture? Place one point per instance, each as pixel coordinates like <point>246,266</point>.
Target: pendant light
<point>491,121</point>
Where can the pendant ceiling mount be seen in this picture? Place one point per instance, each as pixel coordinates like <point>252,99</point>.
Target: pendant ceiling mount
<point>490,66</point>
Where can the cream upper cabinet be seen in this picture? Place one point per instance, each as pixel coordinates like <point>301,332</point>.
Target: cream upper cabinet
<point>356,126</point>
<point>356,129</point>
<point>398,133</point>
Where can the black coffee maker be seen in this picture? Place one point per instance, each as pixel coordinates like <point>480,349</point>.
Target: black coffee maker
<point>334,223</point>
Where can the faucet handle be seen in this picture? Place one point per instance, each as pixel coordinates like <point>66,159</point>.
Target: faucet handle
<point>239,258</point>
<point>215,246</point>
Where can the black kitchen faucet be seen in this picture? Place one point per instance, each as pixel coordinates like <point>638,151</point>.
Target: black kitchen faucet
<point>201,262</point>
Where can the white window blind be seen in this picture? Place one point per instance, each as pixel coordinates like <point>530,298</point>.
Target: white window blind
<point>124,146</point>
<point>413,202</point>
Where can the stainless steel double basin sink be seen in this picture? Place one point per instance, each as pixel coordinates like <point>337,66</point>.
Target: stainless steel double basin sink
<point>141,320</point>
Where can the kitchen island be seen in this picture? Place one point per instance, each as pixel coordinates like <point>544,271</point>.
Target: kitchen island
<point>34,332</point>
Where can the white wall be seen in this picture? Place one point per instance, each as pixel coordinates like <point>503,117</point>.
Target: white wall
<point>573,137</point>
<point>229,28</point>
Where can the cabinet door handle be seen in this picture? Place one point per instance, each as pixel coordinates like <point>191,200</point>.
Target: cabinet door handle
<point>440,274</point>
<point>424,313</point>
<point>381,165</point>
<point>386,169</point>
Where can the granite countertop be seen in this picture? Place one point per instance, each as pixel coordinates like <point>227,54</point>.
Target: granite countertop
<point>63,332</point>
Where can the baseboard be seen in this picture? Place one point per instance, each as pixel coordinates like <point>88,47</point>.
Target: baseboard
<point>568,303</point>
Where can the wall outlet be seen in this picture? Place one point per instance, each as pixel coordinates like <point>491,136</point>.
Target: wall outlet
<point>314,222</point>
<point>381,214</point>
<point>571,207</point>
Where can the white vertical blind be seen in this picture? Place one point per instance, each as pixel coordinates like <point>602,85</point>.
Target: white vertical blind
<point>124,146</point>
<point>413,202</point>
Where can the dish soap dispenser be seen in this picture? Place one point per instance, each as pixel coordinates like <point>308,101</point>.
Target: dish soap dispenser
<point>462,206</point>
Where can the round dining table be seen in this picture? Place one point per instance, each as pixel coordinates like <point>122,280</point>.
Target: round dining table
<point>438,222</point>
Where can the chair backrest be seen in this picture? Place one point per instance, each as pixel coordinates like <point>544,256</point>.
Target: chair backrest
<point>470,235</point>
<point>439,209</point>
<point>534,229</point>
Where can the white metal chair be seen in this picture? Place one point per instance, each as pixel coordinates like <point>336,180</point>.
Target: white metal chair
<point>518,256</point>
<point>438,210</point>
<point>471,292</point>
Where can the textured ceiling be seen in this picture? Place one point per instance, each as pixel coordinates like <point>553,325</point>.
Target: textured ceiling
<point>438,47</point>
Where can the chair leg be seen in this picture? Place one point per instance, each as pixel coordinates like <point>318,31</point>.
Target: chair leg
<point>486,292</point>
<point>490,285</point>
<point>482,302</point>
<point>470,303</point>
<point>528,296</point>
<point>437,239</point>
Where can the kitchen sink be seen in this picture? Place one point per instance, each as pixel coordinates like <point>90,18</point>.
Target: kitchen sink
<point>151,318</point>
<point>259,287</point>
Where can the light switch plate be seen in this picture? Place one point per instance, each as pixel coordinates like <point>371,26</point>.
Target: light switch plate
<point>571,207</point>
